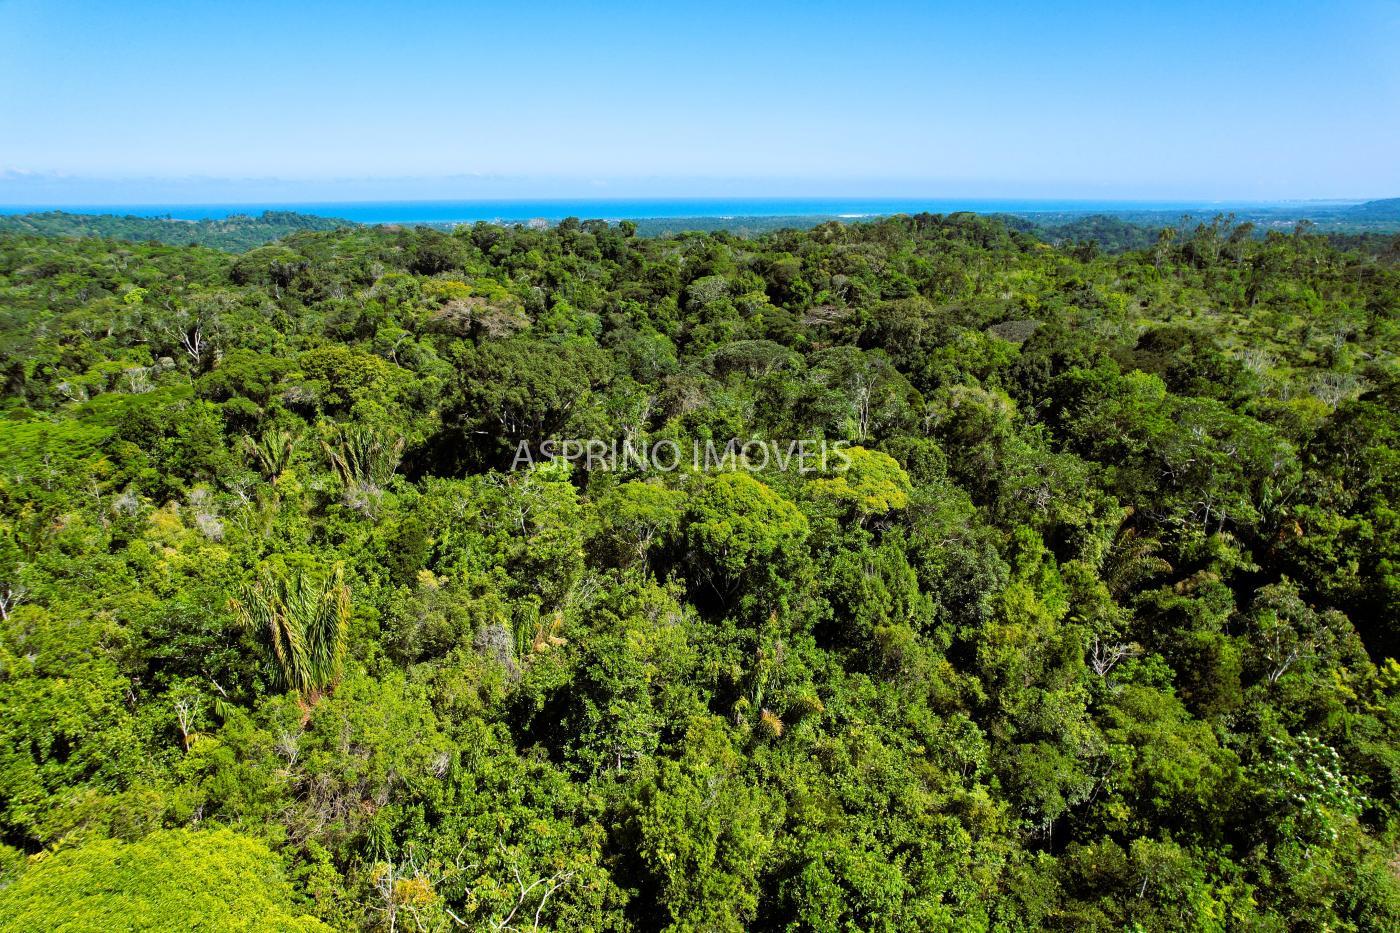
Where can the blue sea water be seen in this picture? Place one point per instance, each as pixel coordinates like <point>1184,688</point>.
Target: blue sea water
<point>409,212</point>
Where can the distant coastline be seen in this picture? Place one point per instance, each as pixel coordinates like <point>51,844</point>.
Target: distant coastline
<point>1116,227</point>
<point>615,209</point>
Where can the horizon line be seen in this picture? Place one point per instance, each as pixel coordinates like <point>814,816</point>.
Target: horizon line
<point>61,205</point>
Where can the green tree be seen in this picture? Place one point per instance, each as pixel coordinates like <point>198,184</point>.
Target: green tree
<point>743,532</point>
<point>171,880</point>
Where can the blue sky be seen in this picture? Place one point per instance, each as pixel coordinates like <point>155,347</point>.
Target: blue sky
<point>317,101</point>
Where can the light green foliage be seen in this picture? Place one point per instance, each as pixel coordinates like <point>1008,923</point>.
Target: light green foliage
<point>66,731</point>
<point>741,528</point>
<point>171,880</point>
<point>635,516</point>
<point>871,482</point>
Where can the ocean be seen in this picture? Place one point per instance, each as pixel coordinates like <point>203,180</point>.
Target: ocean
<point>408,212</point>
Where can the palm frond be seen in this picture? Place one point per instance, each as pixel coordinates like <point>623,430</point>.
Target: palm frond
<point>302,620</point>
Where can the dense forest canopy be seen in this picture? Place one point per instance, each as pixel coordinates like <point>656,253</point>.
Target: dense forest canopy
<point>235,233</point>
<point>1094,631</point>
<point>1372,227</point>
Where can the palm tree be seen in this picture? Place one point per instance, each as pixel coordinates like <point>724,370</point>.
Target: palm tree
<point>362,456</point>
<point>272,452</point>
<point>365,461</point>
<point>301,618</point>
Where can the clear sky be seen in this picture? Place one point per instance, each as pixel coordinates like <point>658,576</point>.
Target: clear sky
<point>206,101</point>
